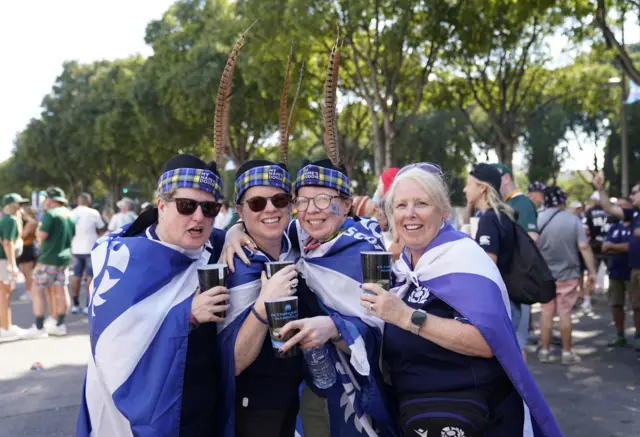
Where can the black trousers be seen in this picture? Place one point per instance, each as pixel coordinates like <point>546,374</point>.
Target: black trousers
<point>266,422</point>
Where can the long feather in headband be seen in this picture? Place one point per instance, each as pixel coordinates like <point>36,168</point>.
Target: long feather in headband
<point>221,119</point>
<point>329,110</point>
<point>285,122</point>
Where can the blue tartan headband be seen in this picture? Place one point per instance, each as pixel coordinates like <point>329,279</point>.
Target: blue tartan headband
<point>263,176</point>
<point>204,180</point>
<point>316,176</point>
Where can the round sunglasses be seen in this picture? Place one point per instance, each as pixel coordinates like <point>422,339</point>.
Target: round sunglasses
<point>259,203</point>
<point>321,201</point>
<point>185,206</point>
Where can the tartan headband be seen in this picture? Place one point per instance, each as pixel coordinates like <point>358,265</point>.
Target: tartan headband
<point>201,179</point>
<point>263,176</point>
<point>317,176</point>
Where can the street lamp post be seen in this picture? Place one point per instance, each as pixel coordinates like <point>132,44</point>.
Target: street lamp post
<point>624,152</point>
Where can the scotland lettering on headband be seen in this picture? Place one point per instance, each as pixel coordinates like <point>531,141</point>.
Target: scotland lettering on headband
<point>315,175</point>
<point>267,175</point>
<point>201,179</point>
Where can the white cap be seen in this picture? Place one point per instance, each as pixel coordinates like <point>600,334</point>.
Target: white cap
<point>595,196</point>
<point>575,204</point>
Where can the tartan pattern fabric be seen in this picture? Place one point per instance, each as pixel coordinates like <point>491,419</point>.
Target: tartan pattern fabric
<point>201,179</point>
<point>314,175</point>
<point>266,175</point>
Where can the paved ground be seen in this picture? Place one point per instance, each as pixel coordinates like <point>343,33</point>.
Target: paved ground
<point>600,397</point>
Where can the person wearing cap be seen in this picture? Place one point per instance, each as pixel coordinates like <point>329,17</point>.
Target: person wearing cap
<point>52,272</point>
<point>561,242</point>
<point>11,236</point>
<point>384,183</point>
<point>527,217</point>
<point>261,390</point>
<point>454,364</point>
<point>536,193</point>
<point>124,216</point>
<point>632,215</point>
<point>496,234</point>
<point>154,364</point>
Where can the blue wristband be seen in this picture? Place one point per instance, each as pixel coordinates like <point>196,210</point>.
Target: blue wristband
<point>255,313</point>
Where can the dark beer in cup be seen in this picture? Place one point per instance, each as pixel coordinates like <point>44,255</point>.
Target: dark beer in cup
<point>275,266</point>
<point>213,275</point>
<point>280,312</point>
<point>376,268</point>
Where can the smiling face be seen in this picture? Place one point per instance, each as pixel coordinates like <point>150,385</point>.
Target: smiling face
<point>186,231</point>
<point>266,226</point>
<point>321,224</point>
<point>415,215</point>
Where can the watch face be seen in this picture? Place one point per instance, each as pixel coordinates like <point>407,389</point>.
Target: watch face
<point>418,318</point>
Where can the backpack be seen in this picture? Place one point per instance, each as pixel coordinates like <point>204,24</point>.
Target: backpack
<point>529,279</point>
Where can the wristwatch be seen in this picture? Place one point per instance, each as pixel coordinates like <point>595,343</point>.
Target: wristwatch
<point>418,318</point>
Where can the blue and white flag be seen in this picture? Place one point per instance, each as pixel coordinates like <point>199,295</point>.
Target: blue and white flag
<point>333,272</point>
<point>139,323</point>
<point>244,288</point>
<point>475,290</point>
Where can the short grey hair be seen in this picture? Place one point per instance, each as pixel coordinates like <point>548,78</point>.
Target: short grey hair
<point>432,184</point>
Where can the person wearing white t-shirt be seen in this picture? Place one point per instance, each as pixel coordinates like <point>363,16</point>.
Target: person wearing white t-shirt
<point>89,225</point>
<point>124,217</point>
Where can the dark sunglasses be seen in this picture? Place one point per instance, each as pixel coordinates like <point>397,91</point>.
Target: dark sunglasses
<point>259,203</point>
<point>209,208</point>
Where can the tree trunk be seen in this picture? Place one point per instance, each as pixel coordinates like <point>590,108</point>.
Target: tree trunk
<point>389,145</point>
<point>505,153</point>
<point>378,142</point>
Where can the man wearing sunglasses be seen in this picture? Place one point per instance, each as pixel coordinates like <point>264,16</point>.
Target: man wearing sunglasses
<point>153,336</point>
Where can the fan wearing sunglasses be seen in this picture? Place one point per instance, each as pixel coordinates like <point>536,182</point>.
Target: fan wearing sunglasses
<point>153,318</point>
<point>330,316</point>
<point>264,388</point>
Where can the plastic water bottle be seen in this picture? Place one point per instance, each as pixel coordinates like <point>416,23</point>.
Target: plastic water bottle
<point>320,366</point>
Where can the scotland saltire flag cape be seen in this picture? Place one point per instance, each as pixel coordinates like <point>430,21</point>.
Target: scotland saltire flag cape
<point>244,288</point>
<point>139,323</point>
<point>333,272</point>
<point>475,289</point>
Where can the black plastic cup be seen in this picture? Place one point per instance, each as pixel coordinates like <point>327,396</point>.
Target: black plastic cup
<point>376,268</point>
<point>274,267</point>
<point>280,312</point>
<point>213,275</point>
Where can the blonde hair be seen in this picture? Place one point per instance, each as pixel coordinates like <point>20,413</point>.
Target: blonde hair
<point>12,210</point>
<point>433,185</point>
<point>495,202</point>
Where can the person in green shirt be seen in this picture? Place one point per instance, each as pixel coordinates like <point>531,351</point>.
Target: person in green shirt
<point>55,234</point>
<point>10,249</point>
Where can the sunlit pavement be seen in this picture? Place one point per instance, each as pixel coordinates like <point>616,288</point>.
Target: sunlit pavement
<point>598,397</point>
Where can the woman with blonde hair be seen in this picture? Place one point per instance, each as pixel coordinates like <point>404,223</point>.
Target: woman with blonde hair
<point>496,232</point>
<point>11,237</point>
<point>454,362</point>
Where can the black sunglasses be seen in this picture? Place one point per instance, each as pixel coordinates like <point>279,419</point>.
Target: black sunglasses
<point>259,203</point>
<point>209,208</point>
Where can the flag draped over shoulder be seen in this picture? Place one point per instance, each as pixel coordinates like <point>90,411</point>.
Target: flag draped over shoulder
<point>457,271</point>
<point>244,288</point>
<point>139,324</point>
<point>333,272</point>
